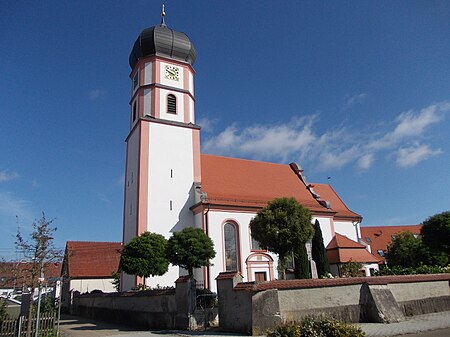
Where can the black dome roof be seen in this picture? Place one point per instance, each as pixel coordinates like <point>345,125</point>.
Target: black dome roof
<point>165,42</point>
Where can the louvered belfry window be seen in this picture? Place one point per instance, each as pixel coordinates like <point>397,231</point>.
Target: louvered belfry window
<point>171,104</point>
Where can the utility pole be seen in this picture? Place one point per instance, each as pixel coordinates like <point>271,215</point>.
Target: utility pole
<point>40,280</point>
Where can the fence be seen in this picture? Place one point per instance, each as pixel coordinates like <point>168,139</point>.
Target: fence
<point>18,327</point>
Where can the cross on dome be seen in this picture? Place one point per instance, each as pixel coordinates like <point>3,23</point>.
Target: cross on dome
<point>163,15</point>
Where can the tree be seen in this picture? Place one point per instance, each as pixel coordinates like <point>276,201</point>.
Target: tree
<point>318,251</point>
<point>145,255</point>
<point>436,233</point>
<point>406,250</point>
<point>302,268</point>
<point>190,248</point>
<point>39,251</point>
<point>282,226</point>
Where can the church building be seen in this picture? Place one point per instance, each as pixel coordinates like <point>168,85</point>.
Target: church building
<point>170,185</point>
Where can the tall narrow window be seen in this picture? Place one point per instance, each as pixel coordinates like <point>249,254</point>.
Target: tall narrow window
<point>171,104</point>
<point>134,111</point>
<point>231,253</point>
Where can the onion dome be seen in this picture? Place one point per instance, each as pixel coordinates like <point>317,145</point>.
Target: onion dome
<point>165,42</point>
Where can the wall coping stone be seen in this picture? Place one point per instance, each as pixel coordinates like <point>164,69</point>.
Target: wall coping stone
<point>142,293</point>
<point>319,283</point>
<point>228,275</point>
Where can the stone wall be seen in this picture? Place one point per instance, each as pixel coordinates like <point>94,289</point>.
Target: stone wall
<point>151,309</point>
<point>255,307</point>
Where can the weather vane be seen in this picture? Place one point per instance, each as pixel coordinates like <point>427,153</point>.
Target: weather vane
<point>163,16</point>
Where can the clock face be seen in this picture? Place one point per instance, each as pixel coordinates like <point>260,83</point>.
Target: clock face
<point>172,73</point>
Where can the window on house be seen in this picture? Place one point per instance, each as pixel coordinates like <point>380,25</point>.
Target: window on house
<point>171,104</point>
<point>231,253</point>
<point>380,252</point>
<point>134,111</point>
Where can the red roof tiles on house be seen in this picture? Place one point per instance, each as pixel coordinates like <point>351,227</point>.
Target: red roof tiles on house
<point>91,259</point>
<point>341,250</point>
<point>379,237</point>
<point>250,183</point>
<point>17,274</point>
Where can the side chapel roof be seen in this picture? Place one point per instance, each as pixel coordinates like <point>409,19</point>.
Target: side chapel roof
<point>341,249</point>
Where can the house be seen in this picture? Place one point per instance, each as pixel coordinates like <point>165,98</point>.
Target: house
<point>380,237</point>
<point>170,185</point>
<point>15,276</point>
<point>89,266</point>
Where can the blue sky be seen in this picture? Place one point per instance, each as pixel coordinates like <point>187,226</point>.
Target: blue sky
<point>358,91</point>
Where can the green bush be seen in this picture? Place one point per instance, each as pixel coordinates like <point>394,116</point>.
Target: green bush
<point>287,330</point>
<point>420,269</point>
<point>314,327</point>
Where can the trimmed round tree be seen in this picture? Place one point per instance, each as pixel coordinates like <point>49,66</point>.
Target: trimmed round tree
<point>145,255</point>
<point>282,226</point>
<point>190,248</point>
<point>318,251</point>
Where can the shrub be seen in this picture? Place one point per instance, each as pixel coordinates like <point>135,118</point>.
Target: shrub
<point>420,269</point>
<point>287,330</point>
<point>314,327</point>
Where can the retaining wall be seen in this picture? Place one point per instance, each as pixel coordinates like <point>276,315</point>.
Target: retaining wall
<point>152,309</point>
<point>255,307</point>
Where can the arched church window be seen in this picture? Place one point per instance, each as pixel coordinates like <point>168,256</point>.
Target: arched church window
<point>231,247</point>
<point>171,104</point>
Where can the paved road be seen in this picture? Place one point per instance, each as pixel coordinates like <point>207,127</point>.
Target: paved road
<point>417,326</point>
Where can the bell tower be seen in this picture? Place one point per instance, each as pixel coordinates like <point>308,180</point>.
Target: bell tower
<point>163,144</point>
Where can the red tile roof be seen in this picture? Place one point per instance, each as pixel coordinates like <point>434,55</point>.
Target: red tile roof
<point>91,259</point>
<point>341,250</point>
<point>379,237</point>
<point>241,182</point>
<point>328,193</point>
<point>18,273</point>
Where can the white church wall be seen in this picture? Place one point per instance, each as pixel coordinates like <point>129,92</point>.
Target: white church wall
<point>217,220</point>
<point>170,186</point>
<point>347,229</point>
<point>148,72</point>
<point>131,186</point>
<point>325,226</point>
<point>147,102</point>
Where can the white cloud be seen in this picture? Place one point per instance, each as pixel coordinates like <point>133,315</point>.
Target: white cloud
<point>365,162</point>
<point>356,99</point>
<point>412,125</point>
<point>264,141</point>
<point>336,147</point>
<point>207,124</point>
<point>411,156</point>
<point>96,93</point>
<point>5,175</point>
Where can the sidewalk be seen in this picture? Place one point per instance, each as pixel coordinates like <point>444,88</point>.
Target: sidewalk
<point>72,326</point>
<point>414,324</point>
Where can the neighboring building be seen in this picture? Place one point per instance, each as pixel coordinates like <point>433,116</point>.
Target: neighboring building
<point>380,237</point>
<point>89,266</point>
<point>343,250</point>
<point>15,277</point>
<point>170,185</point>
